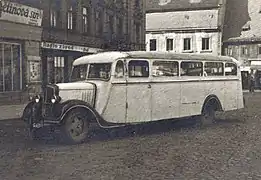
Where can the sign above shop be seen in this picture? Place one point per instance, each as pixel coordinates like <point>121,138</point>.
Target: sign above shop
<point>67,47</point>
<point>19,13</point>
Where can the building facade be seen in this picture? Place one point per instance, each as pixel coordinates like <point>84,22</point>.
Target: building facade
<point>185,26</point>
<point>73,28</point>
<point>42,46</point>
<point>20,39</point>
<point>242,37</point>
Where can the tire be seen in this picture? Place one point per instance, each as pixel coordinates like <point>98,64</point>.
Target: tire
<point>208,115</point>
<point>76,126</point>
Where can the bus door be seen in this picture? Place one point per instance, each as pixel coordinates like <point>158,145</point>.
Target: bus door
<point>138,91</point>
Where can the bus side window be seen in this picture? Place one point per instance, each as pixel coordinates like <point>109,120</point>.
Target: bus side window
<point>191,68</point>
<point>119,70</point>
<point>230,69</point>
<point>214,68</point>
<point>165,68</point>
<point>138,68</point>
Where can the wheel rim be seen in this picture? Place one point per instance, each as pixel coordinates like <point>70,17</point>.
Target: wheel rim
<point>76,127</point>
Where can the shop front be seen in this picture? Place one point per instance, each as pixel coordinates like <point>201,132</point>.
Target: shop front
<point>57,60</point>
<point>20,37</point>
<point>245,75</point>
<point>256,69</point>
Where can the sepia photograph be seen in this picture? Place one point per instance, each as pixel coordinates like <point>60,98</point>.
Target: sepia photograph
<point>130,89</point>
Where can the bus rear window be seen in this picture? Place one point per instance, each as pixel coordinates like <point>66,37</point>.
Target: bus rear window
<point>230,69</point>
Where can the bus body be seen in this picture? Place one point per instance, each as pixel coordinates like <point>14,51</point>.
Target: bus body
<point>120,88</point>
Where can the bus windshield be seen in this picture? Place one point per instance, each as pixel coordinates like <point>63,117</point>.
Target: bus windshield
<point>96,71</point>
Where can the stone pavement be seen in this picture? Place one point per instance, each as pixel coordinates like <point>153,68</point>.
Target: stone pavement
<point>11,111</point>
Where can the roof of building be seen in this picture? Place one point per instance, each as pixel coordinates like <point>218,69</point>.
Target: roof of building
<point>243,21</point>
<point>109,57</point>
<point>182,20</point>
<point>170,5</point>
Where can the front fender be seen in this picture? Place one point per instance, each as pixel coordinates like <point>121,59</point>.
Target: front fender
<point>72,104</point>
<point>32,113</point>
<point>27,111</point>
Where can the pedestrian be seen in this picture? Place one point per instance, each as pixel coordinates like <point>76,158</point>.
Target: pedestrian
<point>252,83</point>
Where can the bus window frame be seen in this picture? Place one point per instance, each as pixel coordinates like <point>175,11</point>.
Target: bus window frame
<point>197,61</point>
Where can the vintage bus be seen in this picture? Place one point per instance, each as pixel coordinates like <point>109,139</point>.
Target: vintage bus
<point>114,89</point>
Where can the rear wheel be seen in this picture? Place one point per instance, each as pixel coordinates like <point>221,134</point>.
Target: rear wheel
<point>208,115</point>
<point>76,126</point>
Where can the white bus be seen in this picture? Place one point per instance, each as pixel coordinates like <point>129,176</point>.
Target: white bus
<point>120,88</point>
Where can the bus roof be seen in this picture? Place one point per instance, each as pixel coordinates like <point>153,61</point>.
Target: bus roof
<point>109,57</point>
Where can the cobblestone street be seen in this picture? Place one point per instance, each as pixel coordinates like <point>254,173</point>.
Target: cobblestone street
<point>227,150</point>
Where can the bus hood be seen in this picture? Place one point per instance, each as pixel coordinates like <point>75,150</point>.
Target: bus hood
<point>75,86</point>
<point>82,91</point>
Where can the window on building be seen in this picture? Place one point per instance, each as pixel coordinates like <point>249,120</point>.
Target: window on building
<point>169,44</point>
<point>205,44</point>
<point>99,22</point>
<point>214,68</point>
<point>111,23</point>
<point>259,50</point>
<point>10,67</point>
<point>229,51</point>
<point>138,68</point>
<point>53,18</point>
<point>58,69</point>
<point>165,68</point>
<point>70,18</point>
<point>84,20</point>
<point>187,44</point>
<point>153,45</point>
<point>230,69</point>
<point>244,50</point>
<point>137,28</point>
<point>137,4</point>
<point>191,68</point>
<point>120,26</point>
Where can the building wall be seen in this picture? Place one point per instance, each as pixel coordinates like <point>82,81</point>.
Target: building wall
<point>128,37</point>
<point>178,37</point>
<point>186,19</point>
<point>128,12</point>
<point>19,46</point>
<point>243,30</point>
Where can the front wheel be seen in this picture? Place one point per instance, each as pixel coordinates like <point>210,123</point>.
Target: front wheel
<point>76,126</point>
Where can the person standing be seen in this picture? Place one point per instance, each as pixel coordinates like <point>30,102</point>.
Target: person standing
<point>252,82</point>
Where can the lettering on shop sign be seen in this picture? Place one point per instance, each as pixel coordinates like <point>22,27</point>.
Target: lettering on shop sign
<point>20,13</point>
<point>67,47</point>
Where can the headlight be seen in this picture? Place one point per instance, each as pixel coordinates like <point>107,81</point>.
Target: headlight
<point>55,99</point>
<point>37,98</point>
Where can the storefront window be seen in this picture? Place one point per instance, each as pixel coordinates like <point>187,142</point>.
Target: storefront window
<point>59,69</point>
<point>55,68</point>
<point>16,68</point>
<point>10,72</point>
